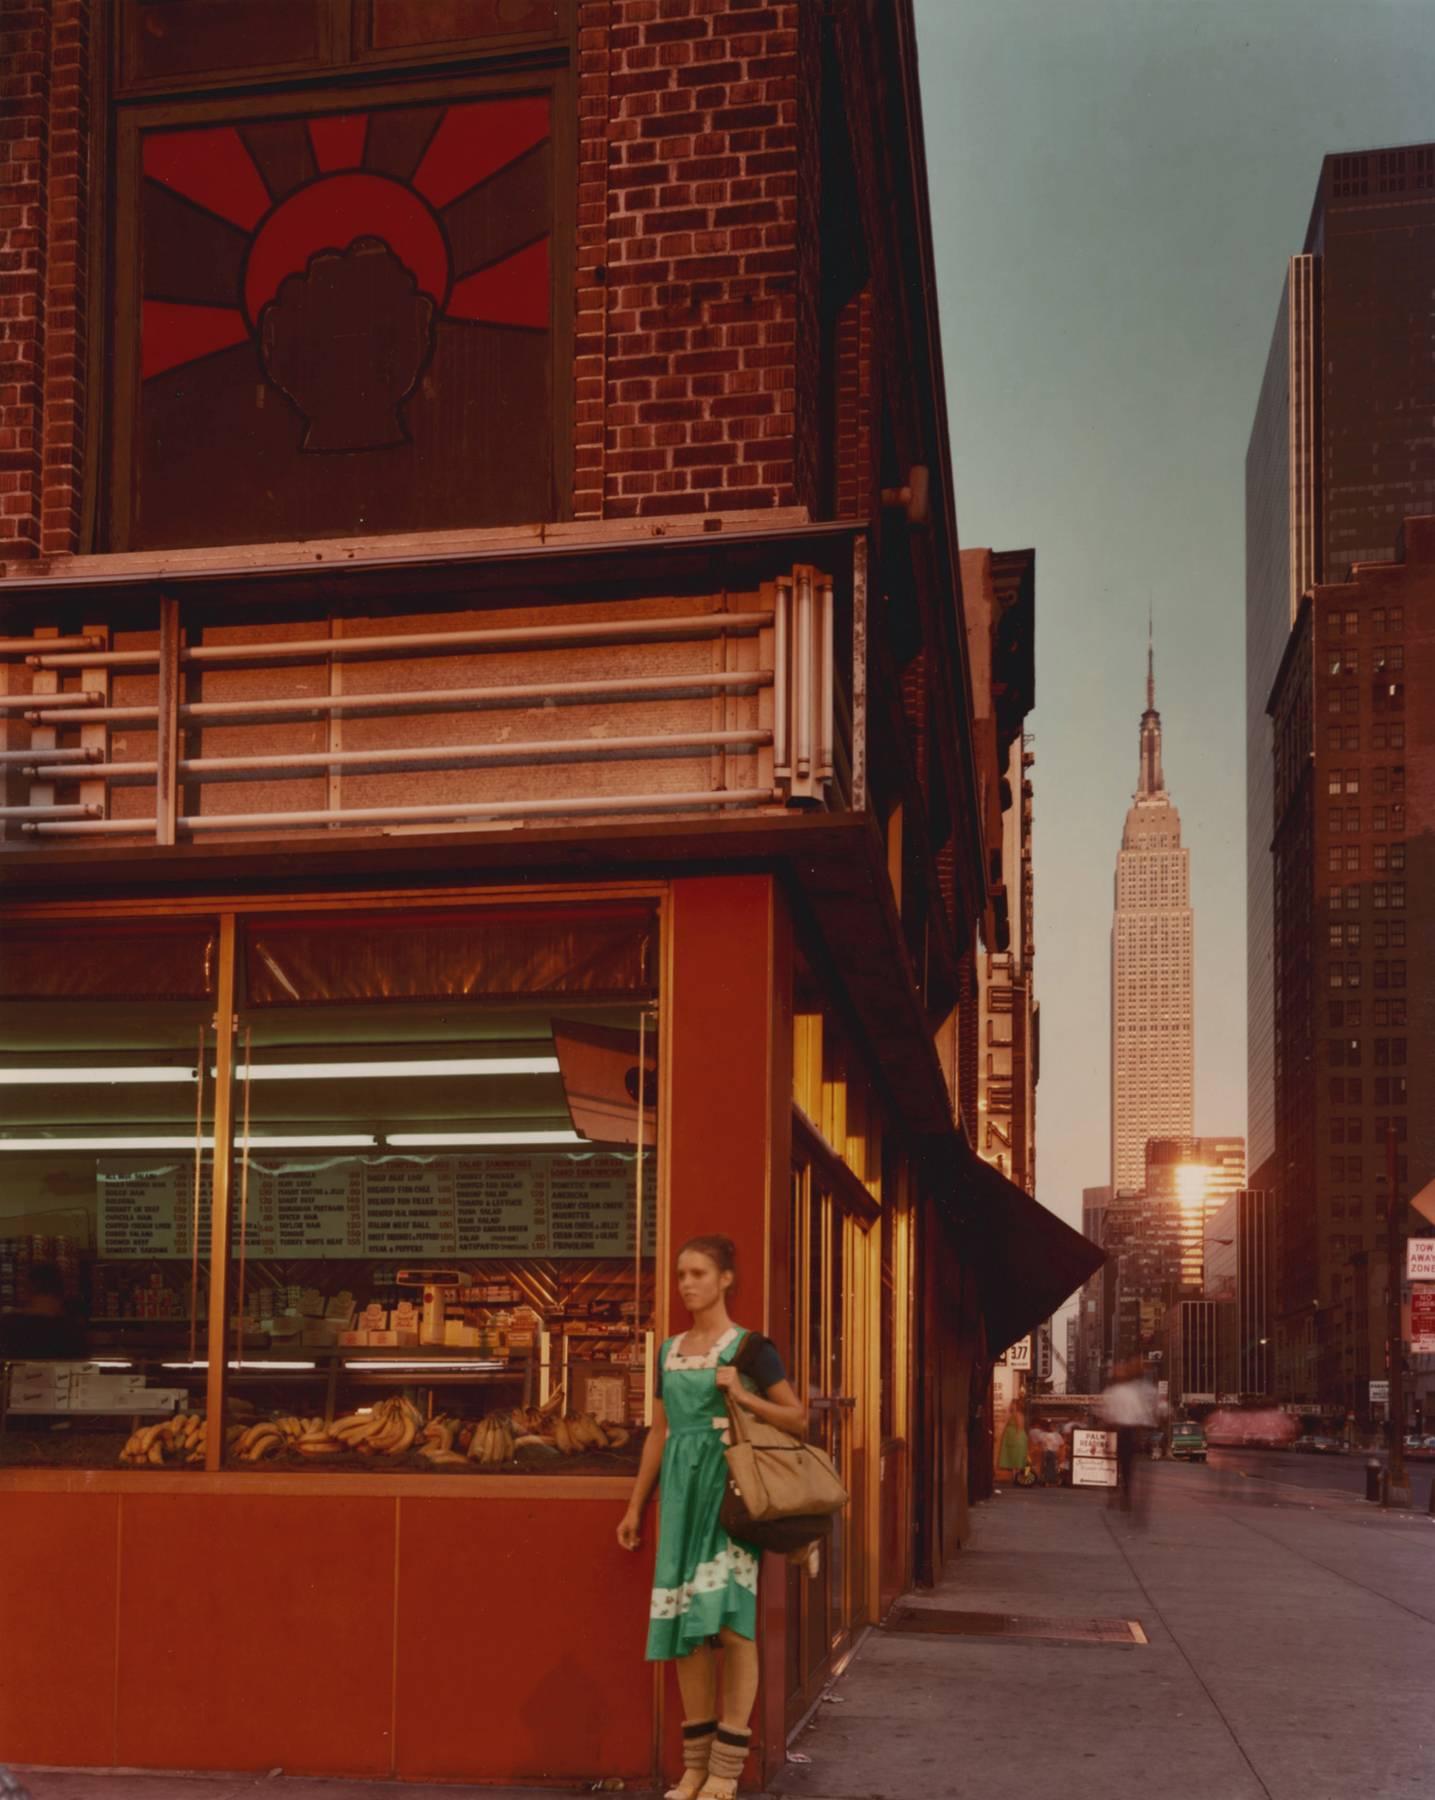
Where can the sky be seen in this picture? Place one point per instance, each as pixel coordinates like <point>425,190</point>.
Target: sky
<point>1115,188</point>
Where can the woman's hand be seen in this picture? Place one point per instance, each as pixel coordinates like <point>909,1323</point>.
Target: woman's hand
<point>630,1530</point>
<point>730,1383</point>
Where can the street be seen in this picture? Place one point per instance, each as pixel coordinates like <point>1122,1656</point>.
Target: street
<point>1290,1469</point>
<point>1287,1656</point>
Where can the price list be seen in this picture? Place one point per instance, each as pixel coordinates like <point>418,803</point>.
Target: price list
<point>404,1208</point>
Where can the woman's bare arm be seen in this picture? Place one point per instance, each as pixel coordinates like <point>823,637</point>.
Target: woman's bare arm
<point>630,1527</point>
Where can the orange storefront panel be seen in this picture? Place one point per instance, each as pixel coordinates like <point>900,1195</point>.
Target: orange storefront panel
<point>520,1642</point>
<point>256,1633</point>
<point>57,1645</point>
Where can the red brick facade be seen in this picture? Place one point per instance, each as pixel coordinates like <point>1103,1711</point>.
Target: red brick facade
<point>701,347</point>
<point>44,166</point>
<point>685,369</point>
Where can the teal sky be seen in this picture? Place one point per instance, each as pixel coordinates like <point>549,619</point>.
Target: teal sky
<point>1115,187</point>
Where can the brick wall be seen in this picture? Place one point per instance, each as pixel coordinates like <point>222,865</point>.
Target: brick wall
<point>685,377</point>
<point>24,107</point>
<point>692,294</point>
<point>44,130</point>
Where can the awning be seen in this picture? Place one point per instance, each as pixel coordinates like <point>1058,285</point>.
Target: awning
<point>1027,1260</point>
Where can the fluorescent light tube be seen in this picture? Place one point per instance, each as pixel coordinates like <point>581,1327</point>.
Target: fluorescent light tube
<point>398,1365</point>
<point>153,1075</point>
<point>439,1140</point>
<point>298,1141</point>
<point>442,1067</point>
<point>241,1365</point>
<point>73,1077</point>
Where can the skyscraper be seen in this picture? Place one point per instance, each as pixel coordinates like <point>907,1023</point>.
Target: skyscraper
<point>1340,452</point>
<point>1152,1013</point>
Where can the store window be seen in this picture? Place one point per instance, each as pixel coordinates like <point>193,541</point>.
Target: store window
<point>106,1154</point>
<point>467,1284</point>
<point>334,306</point>
<point>439,1146</point>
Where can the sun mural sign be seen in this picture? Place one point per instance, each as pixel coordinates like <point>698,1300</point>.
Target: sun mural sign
<point>344,323</point>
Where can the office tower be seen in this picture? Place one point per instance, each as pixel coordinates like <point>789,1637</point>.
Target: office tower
<point>1340,452</point>
<point>1152,1027</point>
<point>1199,1174</point>
<point>1238,1270</point>
<point>1354,893</point>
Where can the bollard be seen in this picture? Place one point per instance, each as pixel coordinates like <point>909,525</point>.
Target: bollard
<point>1372,1481</point>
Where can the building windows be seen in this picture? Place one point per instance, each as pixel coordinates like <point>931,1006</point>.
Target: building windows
<point>1352,899</point>
<point>1397,896</point>
<point>1390,934</point>
<point>1387,737</point>
<point>1387,696</point>
<point>1390,1012</point>
<point>1389,659</point>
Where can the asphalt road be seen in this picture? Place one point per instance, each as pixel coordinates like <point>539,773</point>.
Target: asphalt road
<point>1285,1469</point>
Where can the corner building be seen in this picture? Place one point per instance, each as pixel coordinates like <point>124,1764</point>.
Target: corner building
<point>488,792</point>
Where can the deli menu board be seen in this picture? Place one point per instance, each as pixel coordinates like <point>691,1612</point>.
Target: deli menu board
<point>401,1207</point>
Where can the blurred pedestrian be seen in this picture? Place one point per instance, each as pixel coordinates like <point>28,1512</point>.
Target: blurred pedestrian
<point>1128,1405</point>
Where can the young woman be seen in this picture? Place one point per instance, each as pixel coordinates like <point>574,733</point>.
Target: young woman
<point>705,1585</point>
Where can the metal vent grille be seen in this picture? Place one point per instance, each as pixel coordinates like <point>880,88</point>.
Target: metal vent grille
<point>945,1623</point>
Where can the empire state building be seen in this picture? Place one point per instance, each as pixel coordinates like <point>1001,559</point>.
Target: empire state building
<point>1152,1010</point>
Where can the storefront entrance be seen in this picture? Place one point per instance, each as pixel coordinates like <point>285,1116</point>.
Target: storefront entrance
<point>832,1299</point>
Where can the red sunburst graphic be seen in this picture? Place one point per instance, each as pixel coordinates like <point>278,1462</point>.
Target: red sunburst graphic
<point>253,230</point>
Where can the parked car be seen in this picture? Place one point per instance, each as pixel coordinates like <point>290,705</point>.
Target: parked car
<point>1188,1441</point>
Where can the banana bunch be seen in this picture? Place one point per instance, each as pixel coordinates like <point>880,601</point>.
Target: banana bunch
<point>389,1429</point>
<point>179,1439</point>
<point>492,1440</point>
<point>574,1433</point>
<point>436,1442</point>
<point>256,1443</point>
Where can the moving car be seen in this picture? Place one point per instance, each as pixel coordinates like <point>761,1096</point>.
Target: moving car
<point>1265,1428</point>
<point>1188,1441</point>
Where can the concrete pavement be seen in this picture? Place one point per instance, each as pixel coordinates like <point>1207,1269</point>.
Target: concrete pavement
<point>1289,1657</point>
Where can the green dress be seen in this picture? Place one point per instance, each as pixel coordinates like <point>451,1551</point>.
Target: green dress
<point>703,1582</point>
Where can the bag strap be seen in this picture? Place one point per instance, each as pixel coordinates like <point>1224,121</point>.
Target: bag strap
<point>737,1420</point>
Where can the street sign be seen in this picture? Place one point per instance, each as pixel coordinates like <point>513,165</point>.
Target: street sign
<point>1019,1356</point>
<point>1380,1393</point>
<point>1093,1458</point>
<point>1422,1322</point>
<point>1420,1259</point>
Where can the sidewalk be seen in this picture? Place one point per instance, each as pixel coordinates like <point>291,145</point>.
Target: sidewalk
<point>1287,1658</point>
